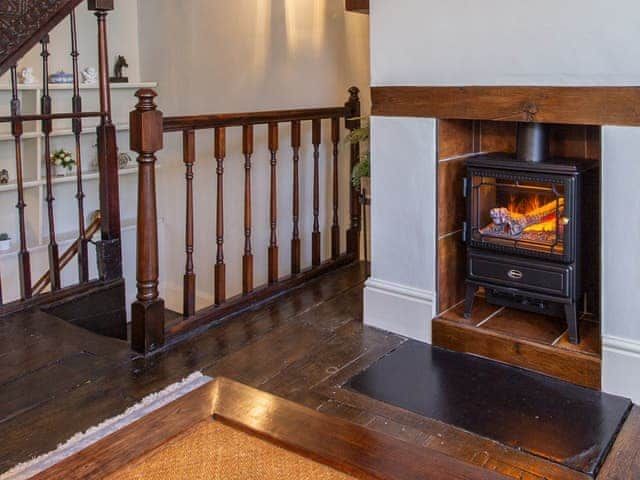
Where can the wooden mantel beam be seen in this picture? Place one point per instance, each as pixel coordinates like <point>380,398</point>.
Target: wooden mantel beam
<point>564,105</point>
<point>359,6</point>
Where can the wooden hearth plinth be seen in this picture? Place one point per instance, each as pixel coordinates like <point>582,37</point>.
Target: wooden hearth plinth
<point>526,340</point>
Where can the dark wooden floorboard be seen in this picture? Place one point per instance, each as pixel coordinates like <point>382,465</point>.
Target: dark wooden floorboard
<point>303,347</point>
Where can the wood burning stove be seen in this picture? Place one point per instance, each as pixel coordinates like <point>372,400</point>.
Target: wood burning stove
<point>523,230</point>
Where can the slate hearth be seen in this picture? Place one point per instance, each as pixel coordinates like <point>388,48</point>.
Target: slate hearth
<point>562,422</point>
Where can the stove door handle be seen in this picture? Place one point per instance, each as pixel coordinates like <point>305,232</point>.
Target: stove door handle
<point>515,274</point>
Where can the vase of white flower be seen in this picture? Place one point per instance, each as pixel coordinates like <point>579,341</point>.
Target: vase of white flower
<point>63,162</point>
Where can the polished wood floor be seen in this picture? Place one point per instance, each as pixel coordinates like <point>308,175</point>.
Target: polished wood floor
<point>57,379</point>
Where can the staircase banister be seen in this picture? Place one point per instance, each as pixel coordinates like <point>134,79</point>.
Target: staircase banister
<point>206,122</point>
<point>26,30</point>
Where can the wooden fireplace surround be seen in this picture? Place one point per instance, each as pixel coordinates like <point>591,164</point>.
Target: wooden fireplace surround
<point>474,119</point>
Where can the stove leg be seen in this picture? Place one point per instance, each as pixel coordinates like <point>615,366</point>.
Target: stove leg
<point>469,297</point>
<point>572,320</point>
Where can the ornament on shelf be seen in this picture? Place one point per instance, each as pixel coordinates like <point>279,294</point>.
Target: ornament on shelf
<point>5,242</point>
<point>124,159</point>
<point>94,157</point>
<point>4,176</point>
<point>90,76</point>
<point>63,162</point>
<point>120,65</point>
<point>61,77</point>
<point>27,77</point>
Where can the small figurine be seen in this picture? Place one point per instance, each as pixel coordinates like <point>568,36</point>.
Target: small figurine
<point>90,76</point>
<point>121,64</point>
<point>4,176</point>
<point>61,77</point>
<point>27,76</point>
<point>124,159</point>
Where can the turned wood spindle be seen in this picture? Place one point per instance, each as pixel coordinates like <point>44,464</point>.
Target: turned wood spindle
<point>109,246</point>
<point>76,101</point>
<point>47,126</point>
<point>220,268</point>
<point>247,258</point>
<point>147,313</point>
<point>335,227</point>
<point>316,129</point>
<point>273,206</point>
<point>295,240</point>
<point>24,260</point>
<point>189,288</point>
<point>353,122</point>
<point>102,9</point>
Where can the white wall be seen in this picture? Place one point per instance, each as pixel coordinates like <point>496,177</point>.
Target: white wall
<point>399,294</point>
<point>246,55</point>
<point>505,42</point>
<point>621,261</point>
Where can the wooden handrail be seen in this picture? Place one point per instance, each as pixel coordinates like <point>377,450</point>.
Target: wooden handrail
<point>205,122</point>
<point>44,281</point>
<point>147,128</point>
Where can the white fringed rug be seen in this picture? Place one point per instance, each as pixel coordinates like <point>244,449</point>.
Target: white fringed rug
<point>82,440</point>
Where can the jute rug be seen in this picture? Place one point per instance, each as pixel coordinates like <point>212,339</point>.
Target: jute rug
<point>212,451</point>
<point>82,440</point>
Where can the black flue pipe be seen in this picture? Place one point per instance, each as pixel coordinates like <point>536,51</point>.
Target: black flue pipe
<point>533,142</point>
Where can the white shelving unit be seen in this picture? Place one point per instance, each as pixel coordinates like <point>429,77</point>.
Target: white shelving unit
<point>33,166</point>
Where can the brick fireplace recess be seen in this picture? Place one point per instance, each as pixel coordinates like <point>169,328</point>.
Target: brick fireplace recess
<point>519,245</point>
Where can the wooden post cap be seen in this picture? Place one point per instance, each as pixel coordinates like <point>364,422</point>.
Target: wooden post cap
<point>100,5</point>
<point>146,124</point>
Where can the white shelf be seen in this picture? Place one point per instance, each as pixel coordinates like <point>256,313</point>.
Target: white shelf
<point>120,127</point>
<point>12,186</point>
<point>69,86</point>
<point>87,130</point>
<point>91,175</point>
<point>7,137</point>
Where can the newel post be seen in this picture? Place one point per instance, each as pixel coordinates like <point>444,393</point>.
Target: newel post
<point>352,108</point>
<point>147,313</point>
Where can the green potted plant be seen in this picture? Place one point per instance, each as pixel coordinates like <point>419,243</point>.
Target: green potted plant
<point>360,176</point>
<point>5,242</point>
<point>63,162</point>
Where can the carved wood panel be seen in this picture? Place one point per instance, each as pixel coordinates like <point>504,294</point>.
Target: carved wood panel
<point>24,22</point>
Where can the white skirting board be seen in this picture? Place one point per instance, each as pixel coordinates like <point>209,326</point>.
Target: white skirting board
<point>399,309</point>
<point>620,367</point>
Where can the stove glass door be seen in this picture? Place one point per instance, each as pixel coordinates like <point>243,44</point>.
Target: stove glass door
<point>521,214</point>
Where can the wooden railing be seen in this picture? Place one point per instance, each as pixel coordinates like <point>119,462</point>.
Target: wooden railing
<point>108,248</point>
<point>147,129</point>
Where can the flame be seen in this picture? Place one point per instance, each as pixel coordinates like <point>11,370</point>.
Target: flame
<point>526,205</point>
<point>529,205</point>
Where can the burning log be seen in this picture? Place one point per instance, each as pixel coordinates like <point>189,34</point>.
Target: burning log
<point>513,223</point>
